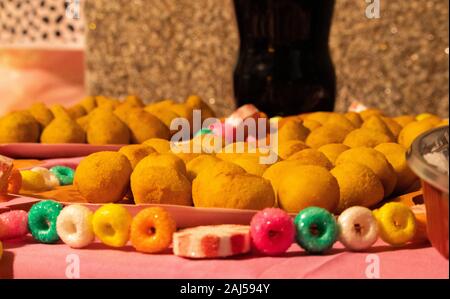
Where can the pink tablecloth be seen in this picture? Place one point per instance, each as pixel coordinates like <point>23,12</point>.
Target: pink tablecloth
<point>26,259</point>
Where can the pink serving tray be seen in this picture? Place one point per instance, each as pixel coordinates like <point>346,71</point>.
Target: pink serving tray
<point>46,151</point>
<point>183,215</point>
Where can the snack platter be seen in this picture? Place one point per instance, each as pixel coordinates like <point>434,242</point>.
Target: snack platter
<point>335,177</point>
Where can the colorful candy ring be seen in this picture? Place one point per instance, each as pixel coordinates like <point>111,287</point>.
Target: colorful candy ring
<point>272,231</point>
<point>396,223</point>
<point>64,174</point>
<point>42,219</point>
<point>50,178</point>
<point>111,224</point>
<point>13,224</point>
<point>74,226</point>
<point>358,228</point>
<point>317,230</point>
<point>152,230</point>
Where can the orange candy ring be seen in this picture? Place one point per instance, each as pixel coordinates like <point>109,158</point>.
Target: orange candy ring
<point>152,230</point>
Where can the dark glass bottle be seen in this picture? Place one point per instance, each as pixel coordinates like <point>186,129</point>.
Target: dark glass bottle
<point>284,65</point>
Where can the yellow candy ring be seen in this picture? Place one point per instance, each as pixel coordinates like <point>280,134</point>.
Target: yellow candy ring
<point>33,181</point>
<point>111,224</point>
<point>396,223</point>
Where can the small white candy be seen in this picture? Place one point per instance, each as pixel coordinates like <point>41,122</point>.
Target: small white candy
<point>50,179</point>
<point>74,226</point>
<point>358,228</point>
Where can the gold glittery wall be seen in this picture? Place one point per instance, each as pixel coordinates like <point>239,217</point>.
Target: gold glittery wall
<point>398,62</point>
<point>172,48</point>
<point>161,49</point>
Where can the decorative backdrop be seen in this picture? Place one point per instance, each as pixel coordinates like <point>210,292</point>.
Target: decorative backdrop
<point>161,49</point>
<point>171,48</point>
<point>398,62</point>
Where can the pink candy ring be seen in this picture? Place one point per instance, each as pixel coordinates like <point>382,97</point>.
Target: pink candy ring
<point>272,231</point>
<point>13,224</point>
<point>358,228</point>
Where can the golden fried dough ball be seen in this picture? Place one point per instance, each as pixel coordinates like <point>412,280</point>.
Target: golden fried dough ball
<point>306,186</point>
<point>336,119</point>
<point>182,110</point>
<point>159,185</point>
<point>365,137</point>
<point>232,190</point>
<point>76,111</point>
<point>164,105</point>
<point>134,101</point>
<point>184,153</point>
<point>88,103</point>
<point>105,127</point>
<point>393,126</point>
<point>144,126</point>
<point>208,143</point>
<point>320,117</point>
<point>355,119</point>
<point>366,114</point>
<point>19,127</point>
<point>167,160</point>
<point>225,167</point>
<point>59,110</point>
<point>164,115</point>
<point>412,130</point>
<point>377,124</point>
<point>311,125</point>
<point>403,120</point>
<point>107,103</point>
<point>103,177</point>
<point>63,129</point>
<point>375,161</point>
<point>123,112</point>
<point>290,147</point>
<point>333,150</point>
<point>160,145</point>
<point>312,157</point>
<point>430,116</point>
<point>41,113</point>
<point>199,164</point>
<point>276,172</point>
<point>83,121</point>
<point>234,150</point>
<point>251,164</point>
<point>326,134</point>
<point>396,156</point>
<point>136,152</point>
<point>358,186</point>
<point>292,130</point>
<point>195,102</point>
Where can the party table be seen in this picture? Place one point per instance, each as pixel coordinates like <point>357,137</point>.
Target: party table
<point>27,259</point>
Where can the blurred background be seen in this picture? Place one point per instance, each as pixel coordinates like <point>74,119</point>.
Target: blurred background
<point>60,51</point>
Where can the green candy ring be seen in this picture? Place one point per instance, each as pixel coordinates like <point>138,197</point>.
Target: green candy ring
<point>203,131</point>
<point>317,229</point>
<point>42,221</point>
<point>64,174</point>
